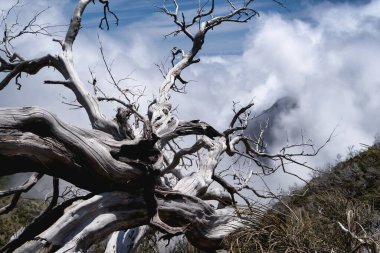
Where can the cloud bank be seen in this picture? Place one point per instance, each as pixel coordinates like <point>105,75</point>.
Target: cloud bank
<point>327,58</point>
<point>328,62</point>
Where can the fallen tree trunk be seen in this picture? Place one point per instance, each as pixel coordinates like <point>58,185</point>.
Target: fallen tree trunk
<point>87,221</point>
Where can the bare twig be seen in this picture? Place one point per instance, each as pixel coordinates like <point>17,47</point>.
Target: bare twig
<point>17,191</point>
<point>106,9</point>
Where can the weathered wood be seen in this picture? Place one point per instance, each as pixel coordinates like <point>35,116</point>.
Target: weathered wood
<point>127,241</point>
<point>85,221</point>
<point>32,139</point>
<point>122,163</point>
<point>197,183</point>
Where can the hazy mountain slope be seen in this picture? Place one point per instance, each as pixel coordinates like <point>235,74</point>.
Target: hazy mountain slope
<point>270,118</point>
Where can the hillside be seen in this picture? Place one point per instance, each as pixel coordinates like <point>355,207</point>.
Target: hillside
<point>25,212</point>
<point>338,211</point>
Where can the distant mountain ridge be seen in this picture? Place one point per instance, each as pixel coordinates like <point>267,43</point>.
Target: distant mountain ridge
<point>271,117</point>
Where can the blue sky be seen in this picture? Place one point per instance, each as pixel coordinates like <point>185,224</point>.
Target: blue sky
<point>324,54</point>
<point>146,10</point>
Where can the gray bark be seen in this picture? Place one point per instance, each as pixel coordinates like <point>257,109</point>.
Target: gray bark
<point>123,162</point>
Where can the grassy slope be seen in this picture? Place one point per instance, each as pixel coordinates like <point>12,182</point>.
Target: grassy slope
<point>308,220</point>
<point>24,213</point>
<point>357,178</point>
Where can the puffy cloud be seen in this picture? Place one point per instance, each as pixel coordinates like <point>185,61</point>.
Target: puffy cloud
<point>328,60</point>
<point>128,52</point>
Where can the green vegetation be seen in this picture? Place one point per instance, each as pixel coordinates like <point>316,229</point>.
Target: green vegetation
<point>25,212</point>
<point>22,215</point>
<point>338,211</point>
<point>3,182</point>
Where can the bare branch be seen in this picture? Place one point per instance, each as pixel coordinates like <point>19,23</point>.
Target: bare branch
<point>54,197</point>
<point>198,38</point>
<point>240,112</point>
<point>222,197</point>
<point>106,9</point>
<point>114,82</point>
<point>129,106</point>
<point>194,127</point>
<point>186,151</point>
<point>39,224</point>
<point>25,187</point>
<point>29,66</point>
<point>74,27</point>
<point>17,191</point>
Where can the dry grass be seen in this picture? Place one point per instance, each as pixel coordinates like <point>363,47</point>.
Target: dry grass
<point>339,213</point>
<point>318,227</point>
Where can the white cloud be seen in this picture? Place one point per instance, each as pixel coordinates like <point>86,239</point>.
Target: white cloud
<point>128,51</point>
<point>329,62</point>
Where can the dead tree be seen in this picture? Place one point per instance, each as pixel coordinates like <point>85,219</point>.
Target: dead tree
<point>125,163</point>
